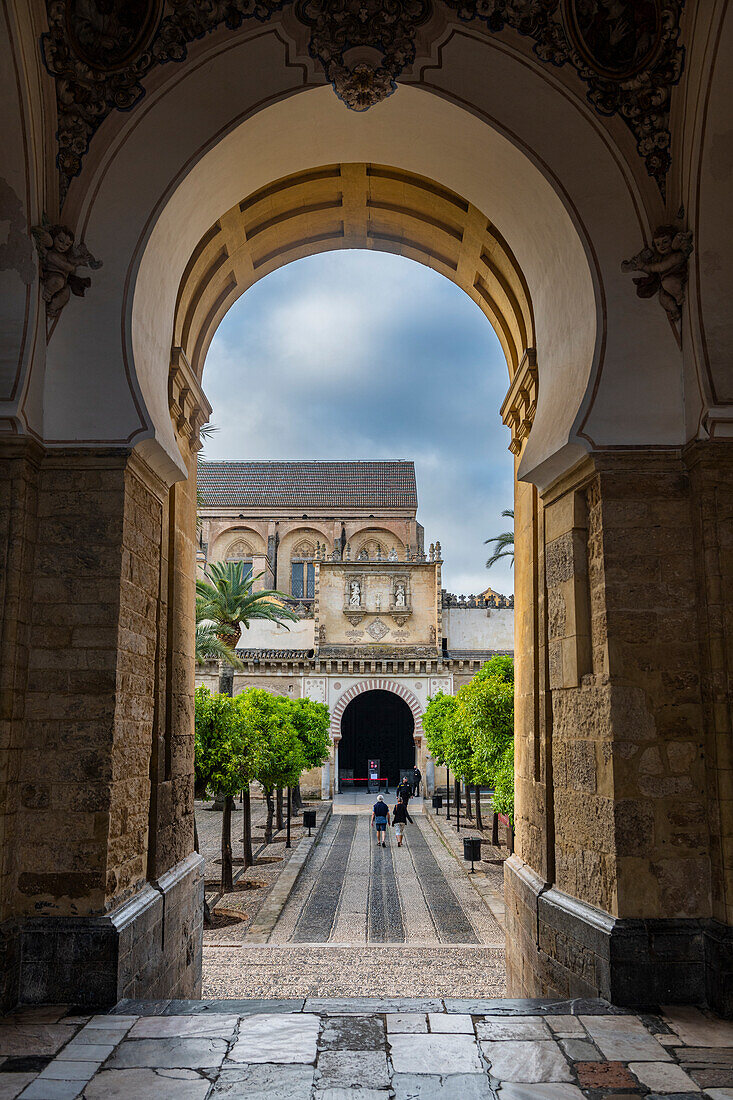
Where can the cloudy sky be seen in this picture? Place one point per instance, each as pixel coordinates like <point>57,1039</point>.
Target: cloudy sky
<point>364,355</point>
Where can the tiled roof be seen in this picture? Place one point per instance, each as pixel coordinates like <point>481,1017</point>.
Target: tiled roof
<point>305,485</point>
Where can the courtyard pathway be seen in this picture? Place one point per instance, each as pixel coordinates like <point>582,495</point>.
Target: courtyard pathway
<point>389,1048</point>
<point>365,919</point>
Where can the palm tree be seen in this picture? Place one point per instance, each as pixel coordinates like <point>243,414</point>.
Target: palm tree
<point>226,599</point>
<point>504,543</point>
<point>209,646</point>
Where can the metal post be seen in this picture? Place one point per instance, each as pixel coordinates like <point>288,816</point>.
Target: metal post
<point>447,793</point>
<point>290,809</point>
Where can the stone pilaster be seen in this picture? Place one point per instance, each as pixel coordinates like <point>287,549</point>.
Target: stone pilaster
<point>99,668</point>
<point>631,901</point>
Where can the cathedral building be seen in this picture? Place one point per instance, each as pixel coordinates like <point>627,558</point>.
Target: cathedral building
<point>377,634</point>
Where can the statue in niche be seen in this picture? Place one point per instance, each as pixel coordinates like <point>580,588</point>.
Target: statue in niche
<point>378,602</point>
<point>399,595</point>
<point>60,258</point>
<point>393,554</point>
<point>664,265</point>
<point>354,594</point>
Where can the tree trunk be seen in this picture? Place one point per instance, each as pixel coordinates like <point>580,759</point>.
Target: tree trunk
<point>495,829</point>
<point>226,679</point>
<point>290,813</point>
<point>447,794</point>
<point>279,809</point>
<point>247,828</point>
<point>457,799</point>
<point>297,799</point>
<point>479,819</point>
<point>469,810</point>
<point>227,884</point>
<point>270,813</point>
<point>207,912</point>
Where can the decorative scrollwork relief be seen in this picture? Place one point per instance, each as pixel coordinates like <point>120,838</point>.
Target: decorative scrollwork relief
<point>628,53</point>
<point>363,45</point>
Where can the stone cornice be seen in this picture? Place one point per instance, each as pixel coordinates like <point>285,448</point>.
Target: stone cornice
<point>520,404</point>
<point>188,404</point>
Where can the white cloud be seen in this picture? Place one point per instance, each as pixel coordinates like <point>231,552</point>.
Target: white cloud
<point>364,355</point>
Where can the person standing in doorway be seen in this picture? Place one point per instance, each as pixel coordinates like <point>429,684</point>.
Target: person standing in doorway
<point>399,817</point>
<point>404,791</point>
<point>380,820</point>
<point>416,780</point>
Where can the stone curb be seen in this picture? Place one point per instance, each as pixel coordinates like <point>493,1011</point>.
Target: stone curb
<point>262,926</point>
<point>493,901</point>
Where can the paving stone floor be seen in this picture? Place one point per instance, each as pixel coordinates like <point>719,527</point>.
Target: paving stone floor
<point>385,1048</point>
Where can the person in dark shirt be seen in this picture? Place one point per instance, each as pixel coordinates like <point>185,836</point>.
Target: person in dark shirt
<point>380,819</point>
<point>404,791</point>
<point>416,780</point>
<point>399,817</point>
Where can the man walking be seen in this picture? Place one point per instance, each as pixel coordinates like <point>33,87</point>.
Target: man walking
<point>399,817</point>
<point>404,791</point>
<point>416,780</point>
<point>380,819</point>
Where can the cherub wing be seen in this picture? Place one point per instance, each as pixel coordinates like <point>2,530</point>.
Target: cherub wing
<point>84,257</point>
<point>42,237</point>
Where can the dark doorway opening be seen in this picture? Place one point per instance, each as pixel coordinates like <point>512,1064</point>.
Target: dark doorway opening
<point>376,724</point>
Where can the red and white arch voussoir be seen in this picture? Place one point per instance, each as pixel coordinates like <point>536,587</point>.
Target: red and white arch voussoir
<point>377,685</point>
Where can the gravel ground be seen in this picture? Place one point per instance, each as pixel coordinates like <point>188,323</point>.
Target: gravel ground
<point>270,861</point>
<point>353,970</point>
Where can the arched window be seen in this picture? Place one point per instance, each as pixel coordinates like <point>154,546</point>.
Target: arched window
<point>302,571</point>
<point>241,551</point>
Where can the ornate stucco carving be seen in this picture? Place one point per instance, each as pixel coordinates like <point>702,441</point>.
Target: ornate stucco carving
<point>629,58</point>
<point>60,260</point>
<point>664,268</point>
<point>363,45</point>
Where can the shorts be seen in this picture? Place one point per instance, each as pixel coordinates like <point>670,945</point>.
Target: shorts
<point>381,826</point>
<point>399,829</point>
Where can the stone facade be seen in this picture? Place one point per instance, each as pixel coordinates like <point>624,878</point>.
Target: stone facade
<point>377,618</point>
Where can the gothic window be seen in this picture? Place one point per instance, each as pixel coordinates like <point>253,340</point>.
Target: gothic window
<point>241,551</point>
<point>302,579</point>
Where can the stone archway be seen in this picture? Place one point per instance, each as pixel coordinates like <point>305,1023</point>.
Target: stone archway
<point>377,685</point>
<point>623,495</point>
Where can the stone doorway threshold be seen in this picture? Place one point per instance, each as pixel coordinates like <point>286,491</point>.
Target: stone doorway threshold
<point>387,1048</point>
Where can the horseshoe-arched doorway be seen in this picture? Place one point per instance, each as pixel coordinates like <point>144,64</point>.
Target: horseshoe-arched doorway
<point>376,724</point>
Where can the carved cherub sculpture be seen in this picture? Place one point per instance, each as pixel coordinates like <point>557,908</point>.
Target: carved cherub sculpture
<point>665,268</point>
<point>355,594</point>
<point>399,595</point>
<point>60,258</point>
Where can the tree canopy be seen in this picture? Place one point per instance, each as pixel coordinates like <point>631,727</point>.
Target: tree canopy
<point>311,721</point>
<point>436,722</point>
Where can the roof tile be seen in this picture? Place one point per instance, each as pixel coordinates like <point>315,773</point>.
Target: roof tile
<point>307,484</point>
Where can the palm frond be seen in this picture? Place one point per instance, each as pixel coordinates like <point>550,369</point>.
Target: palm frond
<point>226,597</point>
<point>503,543</point>
<point>210,647</point>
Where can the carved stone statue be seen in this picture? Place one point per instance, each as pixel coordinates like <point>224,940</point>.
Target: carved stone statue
<point>354,594</point>
<point>60,258</point>
<point>378,602</point>
<point>665,268</point>
<point>393,554</point>
<point>399,595</point>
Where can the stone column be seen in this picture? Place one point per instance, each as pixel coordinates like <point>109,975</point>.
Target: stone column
<point>618,886</point>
